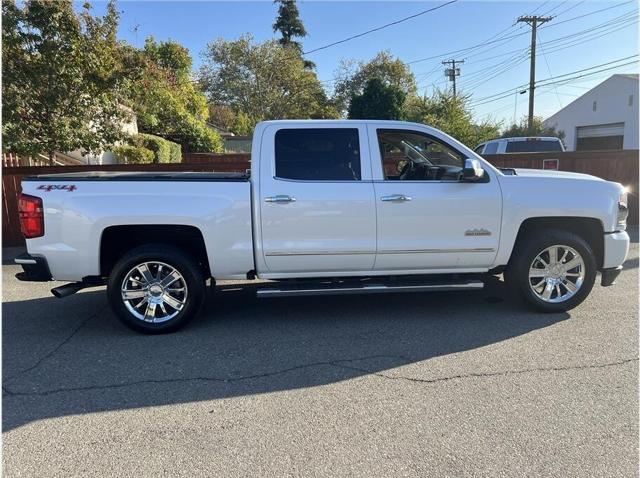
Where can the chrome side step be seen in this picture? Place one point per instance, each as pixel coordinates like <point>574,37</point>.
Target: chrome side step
<point>351,288</point>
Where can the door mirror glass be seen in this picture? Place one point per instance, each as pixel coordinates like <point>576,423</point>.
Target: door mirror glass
<point>472,171</point>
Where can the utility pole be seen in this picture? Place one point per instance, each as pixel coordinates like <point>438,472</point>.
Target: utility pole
<point>452,72</point>
<point>534,21</point>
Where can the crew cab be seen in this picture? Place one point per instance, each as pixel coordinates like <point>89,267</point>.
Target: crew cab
<point>330,206</point>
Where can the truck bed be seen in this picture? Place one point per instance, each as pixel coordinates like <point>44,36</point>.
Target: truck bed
<point>81,206</point>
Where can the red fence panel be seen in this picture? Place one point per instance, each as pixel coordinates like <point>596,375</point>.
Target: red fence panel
<point>621,166</point>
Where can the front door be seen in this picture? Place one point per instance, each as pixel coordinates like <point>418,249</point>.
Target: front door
<point>316,200</point>
<point>427,218</point>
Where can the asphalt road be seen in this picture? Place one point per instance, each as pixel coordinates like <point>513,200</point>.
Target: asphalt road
<point>450,384</point>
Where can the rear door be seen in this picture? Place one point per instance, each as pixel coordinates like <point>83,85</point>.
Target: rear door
<point>317,209</point>
<point>427,218</point>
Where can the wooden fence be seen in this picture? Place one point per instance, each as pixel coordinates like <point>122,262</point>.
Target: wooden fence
<point>222,162</point>
<point>12,160</point>
<point>619,166</point>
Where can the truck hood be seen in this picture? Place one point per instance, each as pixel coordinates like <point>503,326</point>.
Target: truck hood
<point>545,173</point>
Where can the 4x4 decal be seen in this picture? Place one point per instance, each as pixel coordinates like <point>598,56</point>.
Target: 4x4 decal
<point>56,187</point>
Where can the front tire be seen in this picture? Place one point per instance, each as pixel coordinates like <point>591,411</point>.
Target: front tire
<point>156,289</point>
<point>552,270</point>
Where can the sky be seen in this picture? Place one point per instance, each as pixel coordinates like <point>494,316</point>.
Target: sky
<point>581,35</point>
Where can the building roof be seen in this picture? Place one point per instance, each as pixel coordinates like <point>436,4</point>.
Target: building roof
<point>633,76</point>
<point>221,131</point>
<point>630,76</point>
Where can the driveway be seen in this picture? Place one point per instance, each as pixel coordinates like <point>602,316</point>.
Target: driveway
<point>448,384</point>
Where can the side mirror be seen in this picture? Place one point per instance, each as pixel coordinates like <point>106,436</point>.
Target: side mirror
<point>472,171</point>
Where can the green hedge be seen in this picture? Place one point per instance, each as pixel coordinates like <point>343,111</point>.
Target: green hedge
<point>175,152</point>
<point>133,154</point>
<point>165,151</point>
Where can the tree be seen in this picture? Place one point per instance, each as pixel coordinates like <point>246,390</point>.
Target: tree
<point>263,81</point>
<point>242,124</point>
<point>167,102</point>
<point>377,101</point>
<point>290,26</point>
<point>237,122</point>
<point>61,83</point>
<point>538,129</point>
<point>288,23</point>
<point>353,76</point>
<point>450,114</point>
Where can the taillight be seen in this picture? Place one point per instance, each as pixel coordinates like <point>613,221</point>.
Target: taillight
<point>31,216</point>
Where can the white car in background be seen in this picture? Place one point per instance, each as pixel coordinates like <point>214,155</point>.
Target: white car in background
<point>539,144</point>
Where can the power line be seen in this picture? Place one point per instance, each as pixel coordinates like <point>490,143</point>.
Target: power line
<point>590,37</point>
<point>577,4</point>
<point>592,67</point>
<point>539,7</point>
<point>587,74</point>
<point>562,82</point>
<point>557,44</point>
<point>625,17</point>
<point>453,52</point>
<point>476,75</point>
<point>610,26</point>
<point>511,90</point>
<point>547,12</point>
<point>483,101</point>
<point>549,70</point>
<point>352,37</point>
<point>507,65</point>
<point>492,41</point>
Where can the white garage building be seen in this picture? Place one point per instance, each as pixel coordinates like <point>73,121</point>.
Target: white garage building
<point>605,117</point>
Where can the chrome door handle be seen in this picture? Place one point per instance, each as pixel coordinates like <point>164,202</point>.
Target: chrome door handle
<point>396,198</point>
<point>280,198</point>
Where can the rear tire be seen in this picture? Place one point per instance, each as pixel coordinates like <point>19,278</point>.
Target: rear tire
<point>552,284</point>
<point>156,289</point>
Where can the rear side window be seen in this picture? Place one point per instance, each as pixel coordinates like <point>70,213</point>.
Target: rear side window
<point>318,154</point>
<point>533,146</point>
<point>491,148</point>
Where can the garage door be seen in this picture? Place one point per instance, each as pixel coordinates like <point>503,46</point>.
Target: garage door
<point>599,137</point>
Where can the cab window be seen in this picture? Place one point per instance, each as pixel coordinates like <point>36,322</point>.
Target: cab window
<point>415,156</point>
<point>318,154</point>
<point>491,148</point>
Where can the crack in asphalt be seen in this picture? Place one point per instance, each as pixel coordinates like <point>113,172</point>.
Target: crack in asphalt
<point>53,351</point>
<point>492,374</point>
<point>200,378</point>
<point>334,363</point>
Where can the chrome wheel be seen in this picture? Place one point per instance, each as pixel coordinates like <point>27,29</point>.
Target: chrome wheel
<point>154,292</point>
<point>556,274</point>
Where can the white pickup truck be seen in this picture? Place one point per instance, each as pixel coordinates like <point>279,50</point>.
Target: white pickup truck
<point>329,207</point>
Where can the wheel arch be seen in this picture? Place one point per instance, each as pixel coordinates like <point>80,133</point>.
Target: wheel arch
<point>589,229</point>
<point>117,240</point>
